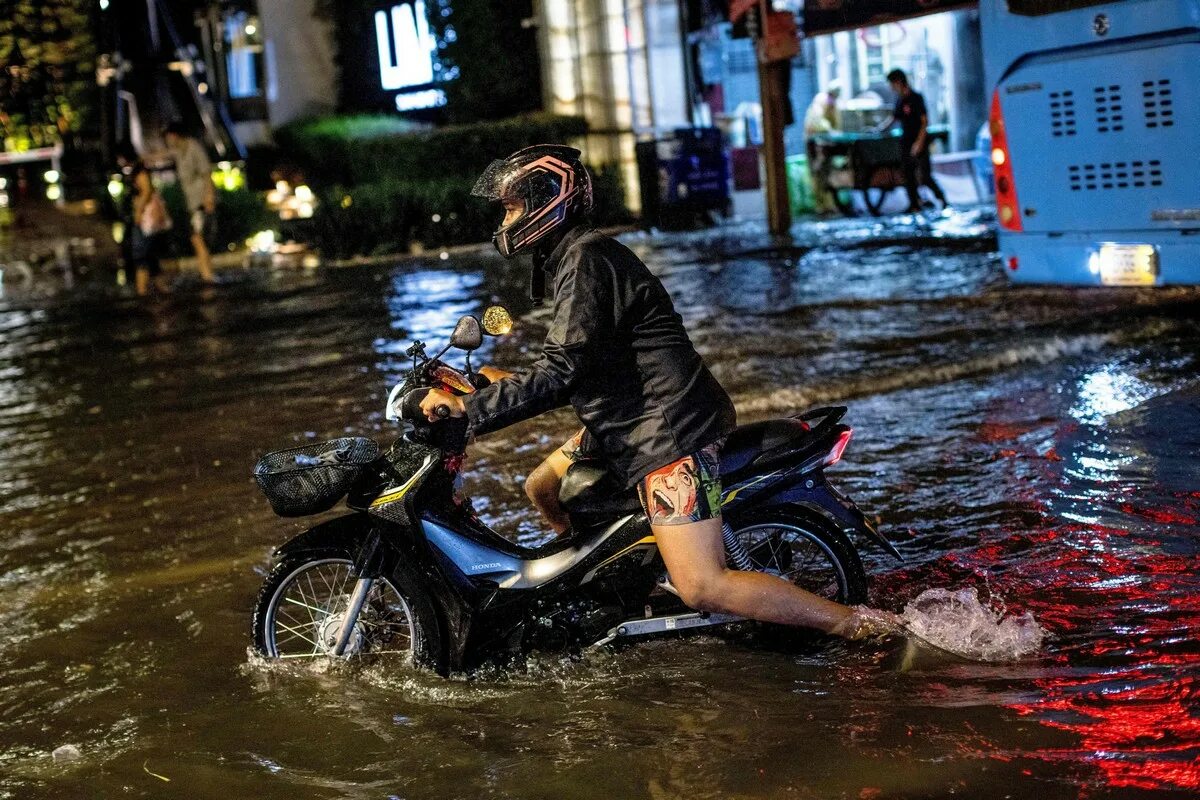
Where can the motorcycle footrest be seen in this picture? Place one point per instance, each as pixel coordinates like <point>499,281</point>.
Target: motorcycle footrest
<point>672,622</point>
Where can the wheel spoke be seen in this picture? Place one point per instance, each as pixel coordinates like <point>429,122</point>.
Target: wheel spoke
<point>305,605</point>
<point>296,632</point>
<point>318,588</point>
<point>796,555</point>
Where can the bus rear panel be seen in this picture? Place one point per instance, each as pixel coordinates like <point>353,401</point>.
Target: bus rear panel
<point>1099,129</point>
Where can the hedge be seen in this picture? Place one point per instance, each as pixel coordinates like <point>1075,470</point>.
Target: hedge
<point>366,149</point>
<point>381,186</point>
<point>387,216</point>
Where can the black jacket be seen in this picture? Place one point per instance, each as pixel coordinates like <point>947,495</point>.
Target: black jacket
<point>618,353</point>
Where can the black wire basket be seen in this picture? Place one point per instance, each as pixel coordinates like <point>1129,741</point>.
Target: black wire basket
<point>311,479</point>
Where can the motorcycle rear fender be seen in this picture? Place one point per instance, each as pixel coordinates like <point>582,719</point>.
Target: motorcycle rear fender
<point>815,494</point>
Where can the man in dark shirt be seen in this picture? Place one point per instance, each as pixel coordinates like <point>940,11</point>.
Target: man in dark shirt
<point>911,115</point>
<point>618,353</point>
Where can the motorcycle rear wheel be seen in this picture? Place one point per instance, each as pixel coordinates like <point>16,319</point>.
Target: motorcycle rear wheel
<point>804,549</point>
<point>302,602</point>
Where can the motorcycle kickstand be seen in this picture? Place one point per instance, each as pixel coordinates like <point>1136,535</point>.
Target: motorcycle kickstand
<point>361,590</point>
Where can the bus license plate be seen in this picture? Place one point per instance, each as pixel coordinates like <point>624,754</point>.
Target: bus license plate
<point>1128,264</point>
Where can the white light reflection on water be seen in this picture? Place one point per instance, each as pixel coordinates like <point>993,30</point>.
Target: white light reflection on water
<point>426,305</point>
<point>1110,390</point>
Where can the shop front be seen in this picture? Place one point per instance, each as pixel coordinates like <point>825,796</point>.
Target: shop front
<point>851,46</point>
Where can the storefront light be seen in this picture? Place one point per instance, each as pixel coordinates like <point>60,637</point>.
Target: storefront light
<point>263,242</point>
<point>54,192</point>
<point>304,194</point>
<point>51,176</point>
<point>115,187</point>
<point>228,176</point>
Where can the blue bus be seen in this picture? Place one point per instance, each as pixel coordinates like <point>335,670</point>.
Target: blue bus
<point>1095,121</point>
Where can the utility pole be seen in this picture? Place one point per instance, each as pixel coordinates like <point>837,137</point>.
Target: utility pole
<point>771,79</point>
<point>774,34</point>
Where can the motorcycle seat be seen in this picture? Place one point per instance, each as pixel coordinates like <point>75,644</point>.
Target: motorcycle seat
<point>588,488</point>
<point>748,442</point>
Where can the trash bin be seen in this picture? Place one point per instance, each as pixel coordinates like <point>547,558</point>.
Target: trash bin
<point>799,183</point>
<point>683,177</point>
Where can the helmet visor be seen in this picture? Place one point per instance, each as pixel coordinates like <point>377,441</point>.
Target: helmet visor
<point>496,182</point>
<point>530,184</point>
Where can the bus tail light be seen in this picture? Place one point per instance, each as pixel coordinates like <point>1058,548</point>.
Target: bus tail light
<point>1007,207</point>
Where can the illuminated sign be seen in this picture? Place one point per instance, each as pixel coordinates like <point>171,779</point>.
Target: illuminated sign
<point>427,98</point>
<point>407,53</point>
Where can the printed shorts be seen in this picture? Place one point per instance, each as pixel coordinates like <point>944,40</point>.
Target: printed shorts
<point>686,490</point>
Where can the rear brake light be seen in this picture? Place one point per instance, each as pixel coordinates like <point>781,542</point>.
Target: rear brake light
<point>1007,207</point>
<point>839,447</point>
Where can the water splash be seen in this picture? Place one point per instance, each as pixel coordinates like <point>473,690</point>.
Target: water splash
<point>956,620</point>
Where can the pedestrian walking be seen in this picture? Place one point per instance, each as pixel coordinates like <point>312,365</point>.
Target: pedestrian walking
<point>149,232</point>
<point>910,113</point>
<point>822,118</point>
<point>128,163</point>
<point>194,171</point>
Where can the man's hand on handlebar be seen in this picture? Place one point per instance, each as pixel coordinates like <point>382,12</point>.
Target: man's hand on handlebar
<point>436,400</point>
<point>494,374</point>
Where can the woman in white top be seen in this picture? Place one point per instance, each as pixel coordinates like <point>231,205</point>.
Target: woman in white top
<point>151,223</point>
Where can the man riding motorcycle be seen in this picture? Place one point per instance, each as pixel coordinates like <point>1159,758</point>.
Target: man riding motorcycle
<point>617,352</point>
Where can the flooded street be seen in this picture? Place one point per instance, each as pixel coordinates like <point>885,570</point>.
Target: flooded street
<point>1037,445</point>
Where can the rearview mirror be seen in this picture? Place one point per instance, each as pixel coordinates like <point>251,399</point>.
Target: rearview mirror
<point>468,334</point>
<point>497,321</point>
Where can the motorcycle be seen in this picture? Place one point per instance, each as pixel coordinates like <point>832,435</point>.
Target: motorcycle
<point>413,572</point>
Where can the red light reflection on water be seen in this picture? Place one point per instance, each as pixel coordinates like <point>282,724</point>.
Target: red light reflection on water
<point>1119,604</point>
<point>1103,549</point>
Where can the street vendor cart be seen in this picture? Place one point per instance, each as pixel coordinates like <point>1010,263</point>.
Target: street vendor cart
<point>865,162</point>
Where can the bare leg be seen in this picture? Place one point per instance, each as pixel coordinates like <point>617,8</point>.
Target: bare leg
<point>695,557</point>
<point>203,258</point>
<point>542,485</point>
<point>542,488</point>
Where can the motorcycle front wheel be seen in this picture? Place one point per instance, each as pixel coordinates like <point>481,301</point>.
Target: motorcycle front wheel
<point>805,550</point>
<point>303,602</point>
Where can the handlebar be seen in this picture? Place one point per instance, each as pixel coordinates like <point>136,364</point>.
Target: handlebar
<point>410,407</point>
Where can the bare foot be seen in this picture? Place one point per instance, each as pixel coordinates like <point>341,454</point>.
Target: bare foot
<point>867,622</point>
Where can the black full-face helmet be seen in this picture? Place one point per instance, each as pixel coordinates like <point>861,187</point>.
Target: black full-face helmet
<point>551,182</point>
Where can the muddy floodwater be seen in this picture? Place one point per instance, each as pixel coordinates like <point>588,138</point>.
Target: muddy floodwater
<point>1037,445</point>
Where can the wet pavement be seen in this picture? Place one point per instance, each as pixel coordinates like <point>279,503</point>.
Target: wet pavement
<point>1038,445</point>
